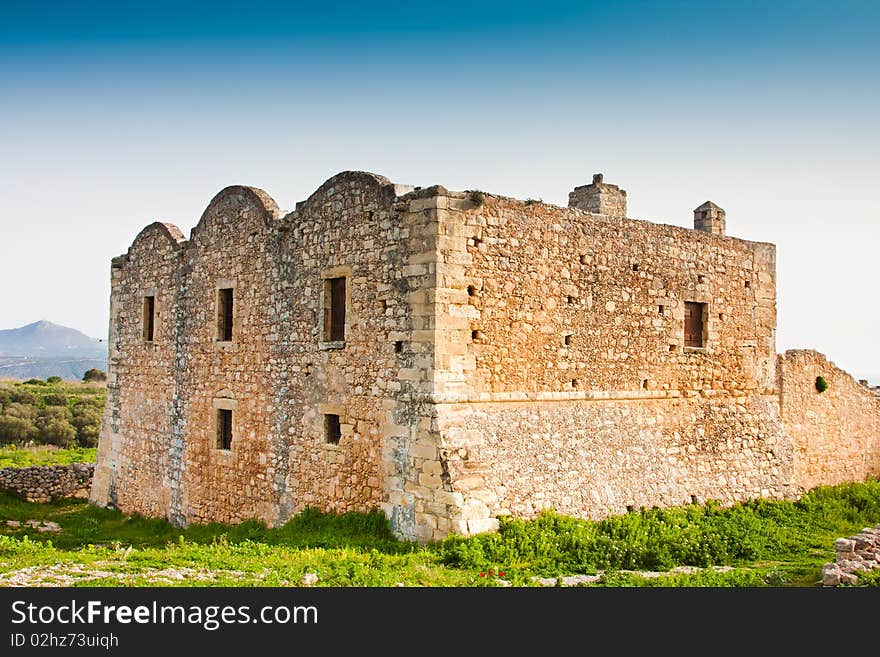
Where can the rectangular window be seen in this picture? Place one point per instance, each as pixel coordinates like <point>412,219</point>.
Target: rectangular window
<point>334,309</point>
<point>332,430</point>
<point>224,314</point>
<point>694,324</point>
<point>224,428</point>
<point>149,318</point>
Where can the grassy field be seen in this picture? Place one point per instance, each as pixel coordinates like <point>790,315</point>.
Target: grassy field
<point>21,457</point>
<point>74,389</point>
<point>763,543</point>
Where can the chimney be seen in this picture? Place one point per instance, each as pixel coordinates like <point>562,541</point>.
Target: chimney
<point>710,219</point>
<point>599,198</point>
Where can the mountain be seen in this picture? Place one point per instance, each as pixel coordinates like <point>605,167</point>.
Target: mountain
<point>44,349</point>
<point>44,339</point>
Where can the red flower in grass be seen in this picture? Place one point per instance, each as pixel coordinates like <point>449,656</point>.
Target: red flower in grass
<point>482,574</point>
<point>500,573</point>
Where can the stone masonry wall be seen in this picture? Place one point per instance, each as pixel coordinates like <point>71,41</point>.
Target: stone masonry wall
<point>564,379</point>
<point>595,458</point>
<point>560,300</point>
<point>836,433</point>
<point>499,356</point>
<point>158,451</point>
<point>44,483</point>
<point>138,417</point>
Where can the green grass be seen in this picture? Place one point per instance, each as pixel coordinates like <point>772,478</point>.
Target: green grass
<point>75,390</point>
<point>22,457</point>
<point>766,543</point>
<point>793,539</point>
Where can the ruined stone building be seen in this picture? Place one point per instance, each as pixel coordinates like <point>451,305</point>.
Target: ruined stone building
<point>450,357</point>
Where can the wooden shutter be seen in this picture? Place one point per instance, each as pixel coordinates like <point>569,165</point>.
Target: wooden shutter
<point>693,324</point>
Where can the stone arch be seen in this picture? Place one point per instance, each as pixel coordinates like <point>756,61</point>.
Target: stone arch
<point>169,231</point>
<point>358,177</point>
<point>251,198</point>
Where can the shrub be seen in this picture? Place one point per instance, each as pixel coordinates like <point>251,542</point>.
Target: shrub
<point>87,421</point>
<point>821,384</point>
<point>478,198</point>
<point>58,433</point>
<point>55,427</point>
<point>53,380</point>
<point>55,399</point>
<point>35,382</point>
<point>23,411</point>
<point>23,397</point>
<point>16,430</point>
<point>94,375</point>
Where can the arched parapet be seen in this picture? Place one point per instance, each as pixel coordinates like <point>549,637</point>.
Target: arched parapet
<point>351,181</point>
<point>156,237</point>
<point>240,207</point>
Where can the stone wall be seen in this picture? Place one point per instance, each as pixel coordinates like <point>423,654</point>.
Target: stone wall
<point>836,433</point>
<point>560,300</point>
<point>158,452</point>
<point>44,483</point>
<point>499,356</point>
<point>597,457</point>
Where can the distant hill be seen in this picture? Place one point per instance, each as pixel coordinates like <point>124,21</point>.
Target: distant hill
<point>45,349</point>
<point>42,339</point>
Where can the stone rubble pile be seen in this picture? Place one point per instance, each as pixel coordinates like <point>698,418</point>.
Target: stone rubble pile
<point>44,483</point>
<point>859,553</point>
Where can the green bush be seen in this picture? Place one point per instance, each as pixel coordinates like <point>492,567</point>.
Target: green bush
<point>87,421</point>
<point>23,397</point>
<point>55,399</point>
<point>53,379</point>
<point>478,198</point>
<point>24,411</point>
<point>94,375</point>
<point>821,384</point>
<point>55,427</point>
<point>16,430</point>
<point>35,382</point>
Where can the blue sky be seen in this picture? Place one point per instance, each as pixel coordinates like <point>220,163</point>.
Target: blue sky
<point>113,115</point>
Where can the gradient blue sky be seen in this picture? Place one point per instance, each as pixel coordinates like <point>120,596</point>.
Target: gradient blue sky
<point>114,115</point>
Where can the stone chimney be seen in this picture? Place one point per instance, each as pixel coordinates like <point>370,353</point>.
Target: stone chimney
<point>710,219</point>
<point>599,198</point>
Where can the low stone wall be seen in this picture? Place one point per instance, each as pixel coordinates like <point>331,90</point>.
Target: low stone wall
<point>859,553</point>
<point>43,483</point>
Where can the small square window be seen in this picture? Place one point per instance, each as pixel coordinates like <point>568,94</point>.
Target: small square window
<point>149,318</point>
<point>224,428</point>
<point>332,429</point>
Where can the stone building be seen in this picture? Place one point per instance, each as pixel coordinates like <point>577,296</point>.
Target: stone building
<point>450,357</point>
